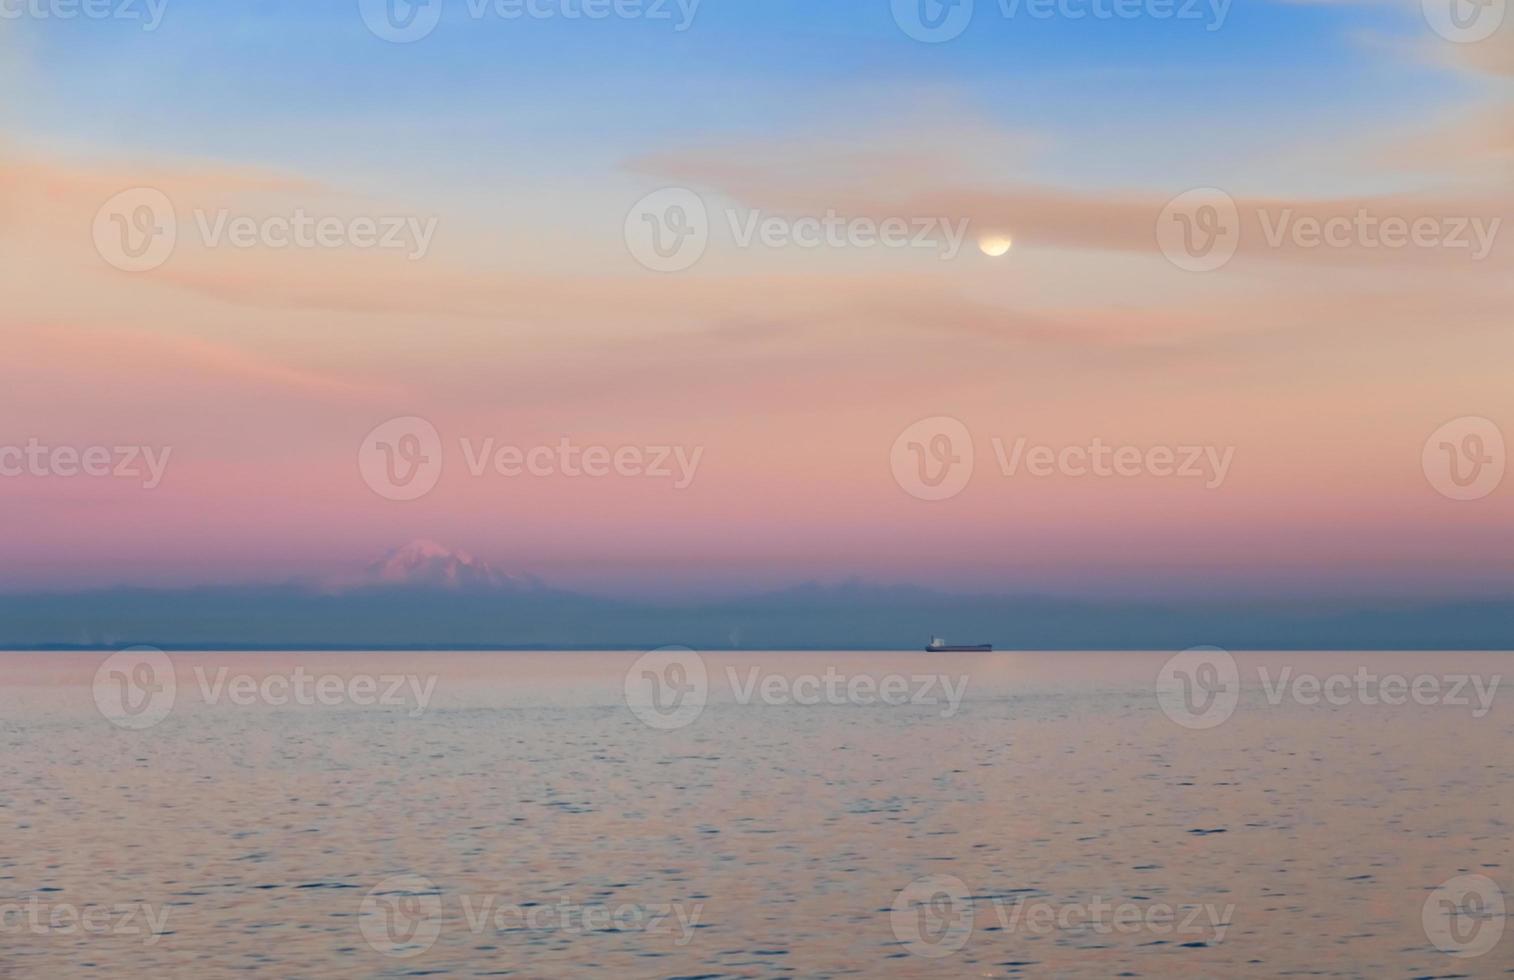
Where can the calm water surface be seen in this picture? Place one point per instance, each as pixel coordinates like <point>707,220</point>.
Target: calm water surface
<point>524,821</point>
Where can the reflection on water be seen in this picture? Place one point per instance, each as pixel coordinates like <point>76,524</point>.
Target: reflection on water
<point>524,822</point>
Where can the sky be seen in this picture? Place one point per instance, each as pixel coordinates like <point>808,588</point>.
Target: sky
<point>767,407</point>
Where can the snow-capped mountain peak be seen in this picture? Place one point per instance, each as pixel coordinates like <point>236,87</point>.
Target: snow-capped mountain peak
<point>427,564</point>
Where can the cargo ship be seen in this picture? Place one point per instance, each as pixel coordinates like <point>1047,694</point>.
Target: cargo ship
<point>938,645</point>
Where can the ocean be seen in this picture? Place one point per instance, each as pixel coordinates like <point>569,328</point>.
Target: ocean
<point>814,814</point>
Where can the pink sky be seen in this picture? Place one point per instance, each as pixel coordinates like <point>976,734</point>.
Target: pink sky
<point>792,371</point>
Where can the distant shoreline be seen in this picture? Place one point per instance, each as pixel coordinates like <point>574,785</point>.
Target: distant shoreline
<point>633,647</point>
<point>851,617</point>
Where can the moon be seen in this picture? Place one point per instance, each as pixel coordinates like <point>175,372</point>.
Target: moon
<point>995,245</point>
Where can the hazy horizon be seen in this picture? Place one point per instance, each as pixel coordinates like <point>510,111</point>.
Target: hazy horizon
<point>1136,588</point>
<point>1018,303</point>
<point>677,489</point>
<point>424,596</point>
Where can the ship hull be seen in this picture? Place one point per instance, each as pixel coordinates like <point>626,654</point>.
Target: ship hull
<point>962,648</point>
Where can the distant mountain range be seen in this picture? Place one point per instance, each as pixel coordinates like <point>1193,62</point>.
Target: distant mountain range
<point>424,596</point>
<point>425,564</point>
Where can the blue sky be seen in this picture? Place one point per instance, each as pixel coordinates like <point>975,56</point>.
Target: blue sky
<point>259,81</point>
<point>532,143</point>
